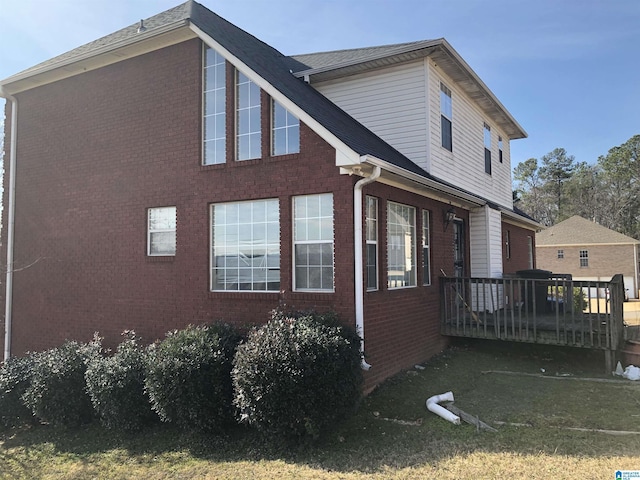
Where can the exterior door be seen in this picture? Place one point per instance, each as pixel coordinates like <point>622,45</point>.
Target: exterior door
<point>458,248</point>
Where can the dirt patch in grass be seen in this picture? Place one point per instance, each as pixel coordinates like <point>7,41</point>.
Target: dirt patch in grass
<point>393,435</point>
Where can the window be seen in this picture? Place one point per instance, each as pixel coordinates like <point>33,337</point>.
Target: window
<point>214,102</point>
<point>507,244</point>
<point>371,221</point>
<point>401,245</point>
<point>584,258</point>
<point>161,231</point>
<point>313,242</point>
<point>245,246</point>
<point>446,116</point>
<point>530,250</point>
<point>426,254</point>
<point>285,126</point>
<point>560,253</point>
<point>248,131</point>
<point>487,149</point>
<point>500,148</point>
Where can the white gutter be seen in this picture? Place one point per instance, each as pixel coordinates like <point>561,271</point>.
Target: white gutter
<point>10,224</point>
<point>358,254</point>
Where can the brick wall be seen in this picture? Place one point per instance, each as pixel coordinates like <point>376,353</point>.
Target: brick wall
<point>604,260</point>
<point>519,258</point>
<point>98,149</point>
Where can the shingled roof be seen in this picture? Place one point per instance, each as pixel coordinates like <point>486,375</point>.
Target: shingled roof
<point>580,231</point>
<point>274,67</point>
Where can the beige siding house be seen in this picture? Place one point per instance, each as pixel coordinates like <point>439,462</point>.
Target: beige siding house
<point>588,251</point>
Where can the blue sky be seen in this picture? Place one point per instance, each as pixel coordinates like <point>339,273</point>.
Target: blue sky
<point>567,70</point>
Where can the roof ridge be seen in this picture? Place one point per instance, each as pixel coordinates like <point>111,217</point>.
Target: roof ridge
<point>371,47</point>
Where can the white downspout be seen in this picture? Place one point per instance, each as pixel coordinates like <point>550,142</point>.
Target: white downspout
<point>432,406</point>
<point>10,226</point>
<point>357,242</point>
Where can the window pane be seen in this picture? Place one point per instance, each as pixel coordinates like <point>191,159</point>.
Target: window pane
<point>401,245</point>
<point>161,231</point>
<point>214,99</point>
<point>248,132</point>
<point>242,256</point>
<point>313,242</point>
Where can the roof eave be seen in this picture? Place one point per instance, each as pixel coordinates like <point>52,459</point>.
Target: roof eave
<point>150,40</point>
<point>446,57</point>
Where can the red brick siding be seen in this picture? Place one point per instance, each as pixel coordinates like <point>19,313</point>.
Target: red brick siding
<point>519,259</point>
<point>98,149</point>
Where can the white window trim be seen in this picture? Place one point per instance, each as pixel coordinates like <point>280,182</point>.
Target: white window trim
<point>311,242</point>
<point>426,218</point>
<point>204,106</point>
<point>286,128</point>
<point>372,242</point>
<point>161,230</point>
<point>414,254</point>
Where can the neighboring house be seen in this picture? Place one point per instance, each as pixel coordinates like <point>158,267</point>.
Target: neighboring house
<point>589,251</point>
<point>180,171</point>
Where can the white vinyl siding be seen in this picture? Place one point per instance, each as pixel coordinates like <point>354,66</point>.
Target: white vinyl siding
<point>401,104</point>
<point>465,167</point>
<point>485,236</point>
<point>392,103</point>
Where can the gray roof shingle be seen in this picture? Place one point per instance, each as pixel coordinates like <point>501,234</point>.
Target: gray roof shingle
<point>580,231</point>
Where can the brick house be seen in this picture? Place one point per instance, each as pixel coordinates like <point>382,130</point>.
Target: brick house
<point>182,171</point>
<point>589,251</point>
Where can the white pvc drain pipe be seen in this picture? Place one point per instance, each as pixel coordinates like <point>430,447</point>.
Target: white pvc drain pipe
<point>432,406</point>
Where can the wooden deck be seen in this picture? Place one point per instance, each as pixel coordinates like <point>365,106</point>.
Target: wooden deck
<point>555,311</point>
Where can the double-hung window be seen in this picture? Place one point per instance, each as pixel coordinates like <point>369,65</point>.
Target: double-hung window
<point>214,131</point>
<point>371,223</point>
<point>248,128</point>
<point>487,149</point>
<point>245,246</point>
<point>313,242</point>
<point>500,148</point>
<point>446,116</point>
<point>584,258</point>
<point>285,135</point>
<point>426,250</point>
<point>161,231</point>
<point>401,245</point>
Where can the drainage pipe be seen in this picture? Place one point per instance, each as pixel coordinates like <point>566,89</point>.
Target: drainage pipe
<point>358,256</point>
<point>432,406</point>
<point>10,224</point>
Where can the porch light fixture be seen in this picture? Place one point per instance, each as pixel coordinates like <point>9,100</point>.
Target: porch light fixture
<point>449,216</point>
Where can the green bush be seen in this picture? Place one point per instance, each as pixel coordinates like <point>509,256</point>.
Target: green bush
<point>15,377</point>
<point>116,386</point>
<point>57,393</point>
<point>297,375</point>
<point>189,376</point>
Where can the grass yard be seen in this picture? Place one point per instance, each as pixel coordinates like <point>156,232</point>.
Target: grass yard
<point>393,435</point>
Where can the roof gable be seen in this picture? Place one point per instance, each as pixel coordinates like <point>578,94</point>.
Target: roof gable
<point>580,231</point>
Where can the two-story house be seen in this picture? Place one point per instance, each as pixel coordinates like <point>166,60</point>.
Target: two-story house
<point>180,171</point>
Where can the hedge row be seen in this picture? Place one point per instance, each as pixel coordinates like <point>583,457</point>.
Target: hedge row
<point>295,376</point>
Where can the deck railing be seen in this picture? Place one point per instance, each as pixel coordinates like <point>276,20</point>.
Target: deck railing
<point>555,310</point>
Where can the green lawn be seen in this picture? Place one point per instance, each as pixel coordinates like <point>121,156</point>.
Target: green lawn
<point>392,436</point>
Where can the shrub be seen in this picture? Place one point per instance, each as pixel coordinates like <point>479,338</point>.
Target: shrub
<point>57,393</point>
<point>15,377</point>
<point>297,375</point>
<point>189,376</point>
<point>116,386</point>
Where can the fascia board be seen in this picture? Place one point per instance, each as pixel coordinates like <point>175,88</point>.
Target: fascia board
<point>154,39</point>
<point>344,154</point>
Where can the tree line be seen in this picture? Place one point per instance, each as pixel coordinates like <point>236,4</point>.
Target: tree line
<point>607,192</point>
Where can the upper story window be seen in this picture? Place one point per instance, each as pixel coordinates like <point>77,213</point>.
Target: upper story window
<point>446,117</point>
<point>248,128</point>
<point>285,135</point>
<point>161,231</point>
<point>245,246</point>
<point>313,242</point>
<point>500,148</point>
<point>584,258</point>
<point>371,221</point>
<point>560,254</point>
<point>214,101</point>
<point>401,245</point>
<point>426,251</point>
<point>487,149</point>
